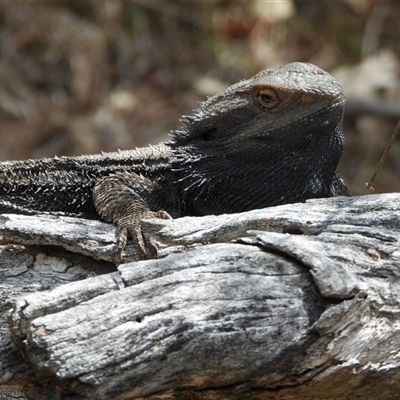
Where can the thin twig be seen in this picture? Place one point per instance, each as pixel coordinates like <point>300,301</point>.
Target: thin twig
<point>384,155</point>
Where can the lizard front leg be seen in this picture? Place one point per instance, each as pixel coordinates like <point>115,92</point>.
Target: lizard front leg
<point>116,201</point>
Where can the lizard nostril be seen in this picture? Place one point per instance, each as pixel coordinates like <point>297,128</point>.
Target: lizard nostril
<point>307,98</point>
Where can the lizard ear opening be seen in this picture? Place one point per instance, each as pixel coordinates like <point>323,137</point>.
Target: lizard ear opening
<point>210,135</point>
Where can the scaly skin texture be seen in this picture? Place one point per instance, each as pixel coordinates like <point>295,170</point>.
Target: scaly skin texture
<point>273,139</point>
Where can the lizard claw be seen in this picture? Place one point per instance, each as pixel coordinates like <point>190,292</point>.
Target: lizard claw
<point>120,254</point>
<point>162,214</point>
<point>145,247</point>
<point>121,242</point>
<point>132,227</point>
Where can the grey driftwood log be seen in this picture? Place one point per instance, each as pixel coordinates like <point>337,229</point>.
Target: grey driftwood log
<point>296,301</point>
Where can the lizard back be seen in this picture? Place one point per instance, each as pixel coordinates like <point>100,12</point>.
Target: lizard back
<point>64,184</point>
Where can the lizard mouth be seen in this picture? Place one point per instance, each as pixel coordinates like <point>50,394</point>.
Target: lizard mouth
<point>332,110</point>
<point>337,105</point>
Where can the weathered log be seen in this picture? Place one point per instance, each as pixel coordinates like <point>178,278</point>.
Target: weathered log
<point>303,304</point>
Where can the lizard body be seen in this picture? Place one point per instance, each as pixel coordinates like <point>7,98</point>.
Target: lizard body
<point>273,139</point>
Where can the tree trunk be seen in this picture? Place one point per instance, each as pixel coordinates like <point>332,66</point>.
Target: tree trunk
<point>296,301</point>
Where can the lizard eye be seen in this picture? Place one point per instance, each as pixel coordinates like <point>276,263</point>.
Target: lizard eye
<point>268,98</point>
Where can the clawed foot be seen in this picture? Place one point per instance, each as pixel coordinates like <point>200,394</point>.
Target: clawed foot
<point>131,226</point>
<point>116,201</point>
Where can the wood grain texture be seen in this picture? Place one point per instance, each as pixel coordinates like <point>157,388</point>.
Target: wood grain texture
<point>272,315</point>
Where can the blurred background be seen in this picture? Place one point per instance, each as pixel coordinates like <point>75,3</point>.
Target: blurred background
<point>80,77</point>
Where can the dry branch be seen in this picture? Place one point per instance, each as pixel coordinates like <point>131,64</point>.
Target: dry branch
<point>270,315</point>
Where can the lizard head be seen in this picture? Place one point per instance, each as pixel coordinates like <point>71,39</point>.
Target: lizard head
<point>284,123</point>
<point>266,105</point>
